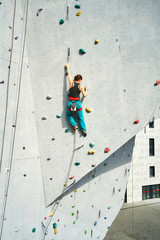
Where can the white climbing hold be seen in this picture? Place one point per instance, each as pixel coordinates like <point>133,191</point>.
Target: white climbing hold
<point>44,118</point>
<point>16,229</point>
<point>6,170</point>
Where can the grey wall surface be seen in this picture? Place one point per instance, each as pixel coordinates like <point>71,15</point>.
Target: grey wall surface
<point>120,72</point>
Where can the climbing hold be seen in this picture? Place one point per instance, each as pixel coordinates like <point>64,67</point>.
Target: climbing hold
<point>6,170</point>
<point>66,130</point>
<point>109,207</point>
<point>53,139</point>
<point>71,196</point>
<point>119,189</point>
<point>51,214</point>
<point>157,82</point>
<point>1,82</point>
<point>95,223</point>
<point>44,118</point>
<point>116,179</point>
<point>73,213</point>
<point>13,125</point>
<point>108,227</point>
<point>45,218</point>
<point>48,159</point>
<point>16,38</point>
<point>4,218</point>
<point>84,190</point>
<point>24,175</point>
<point>91,144</point>
<point>58,116</point>
<point>91,152</point>
<point>96,41</point>
<point>93,165</point>
<point>136,121</point>
<point>75,190</point>
<point>54,225</point>
<point>33,230</point>
<point>38,11</point>
<point>85,232</point>
<point>61,21</point>
<point>10,27</point>
<point>0,3</point>
<point>128,170</point>
<point>77,6</point>
<point>74,222</point>
<point>105,164</point>
<point>16,229</point>
<point>58,220</point>
<point>77,163</point>
<point>55,230</point>
<point>105,217</point>
<point>49,97</point>
<point>81,51</point>
<point>88,110</point>
<point>51,178</point>
<point>71,177</point>
<point>106,150</point>
<point>93,175</point>
<point>78,13</point>
<point>73,206</point>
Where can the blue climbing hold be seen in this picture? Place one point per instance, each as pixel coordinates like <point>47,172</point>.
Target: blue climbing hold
<point>54,225</point>
<point>95,223</point>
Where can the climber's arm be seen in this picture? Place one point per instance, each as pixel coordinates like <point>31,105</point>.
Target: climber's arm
<point>70,80</point>
<point>84,90</point>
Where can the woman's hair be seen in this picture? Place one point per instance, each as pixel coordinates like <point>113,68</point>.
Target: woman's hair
<point>78,77</point>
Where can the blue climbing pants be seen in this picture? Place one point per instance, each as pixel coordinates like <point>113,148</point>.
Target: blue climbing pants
<point>69,114</point>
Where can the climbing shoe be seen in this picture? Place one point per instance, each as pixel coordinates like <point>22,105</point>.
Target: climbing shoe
<point>84,133</point>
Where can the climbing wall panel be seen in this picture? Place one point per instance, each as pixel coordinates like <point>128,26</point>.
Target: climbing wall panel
<point>120,72</point>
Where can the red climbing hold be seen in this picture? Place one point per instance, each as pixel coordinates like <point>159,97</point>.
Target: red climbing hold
<point>157,82</point>
<point>93,165</point>
<point>106,150</point>
<point>136,121</point>
<point>71,177</point>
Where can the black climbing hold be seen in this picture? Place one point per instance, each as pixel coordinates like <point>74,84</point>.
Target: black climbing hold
<point>13,125</point>
<point>1,82</point>
<point>51,178</point>
<point>24,148</point>
<point>61,21</point>
<point>48,159</point>
<point>16,38</point>
<point>38,12</point>
<point>24,175</point>
<point>53,139</point>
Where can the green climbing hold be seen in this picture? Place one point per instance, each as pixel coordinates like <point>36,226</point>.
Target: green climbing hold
<point>74,222</point>
<point>61,21</point>
<point>54,225</point>
<point>82,51</point>
<point>85,232</point>
<point>109,207</point>
<point>84,190</point>
<point>66,130</point>
<point>73,213</point>
<point>77,6</point>
<point>91,144</point>
<point>77,163</point>
<point>93,176</point>
<point>105,164</point>
<point>58,116</point>
<point>33,230</point>
<point>73,206</point>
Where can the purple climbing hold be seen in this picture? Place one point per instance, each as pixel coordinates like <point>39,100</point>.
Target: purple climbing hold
<point>38,12</point>
<point>16,38</point>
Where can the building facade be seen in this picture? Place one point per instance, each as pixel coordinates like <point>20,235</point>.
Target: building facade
<point>144,178</point>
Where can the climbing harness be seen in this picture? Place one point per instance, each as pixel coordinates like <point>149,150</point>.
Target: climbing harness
<point>73,106</point>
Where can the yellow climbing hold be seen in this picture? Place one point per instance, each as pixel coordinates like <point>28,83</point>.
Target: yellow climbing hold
<point>78,13</point>
<point>55,231</point>
<point>96,41</point>
<point>51,214</point>
<point>75,190</point>
<point>88,110</point>
<point>92,152</point>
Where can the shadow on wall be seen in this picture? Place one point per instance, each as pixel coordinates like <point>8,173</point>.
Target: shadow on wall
<point>121,157</point>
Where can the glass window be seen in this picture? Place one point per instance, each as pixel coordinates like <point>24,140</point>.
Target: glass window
<point>151,147</point>
<point>152,171</point>
<point>150,191</point>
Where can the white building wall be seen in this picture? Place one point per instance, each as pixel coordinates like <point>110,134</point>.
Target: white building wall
<point>141,162</point>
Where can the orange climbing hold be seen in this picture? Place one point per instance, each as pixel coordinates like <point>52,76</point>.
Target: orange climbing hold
<point>136,121</point>
<point>106,150</point>
<point>71,177</point>
<point>157,82</point>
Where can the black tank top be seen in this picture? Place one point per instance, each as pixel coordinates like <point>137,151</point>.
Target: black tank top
<point>74,91</point>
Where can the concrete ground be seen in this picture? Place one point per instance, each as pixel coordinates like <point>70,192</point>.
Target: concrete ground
<point>140,222</point>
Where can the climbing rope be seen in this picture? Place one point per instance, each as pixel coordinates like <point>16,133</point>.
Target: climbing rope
<point>8,81</point>
<point>56,204</point>
<point>16,117</point>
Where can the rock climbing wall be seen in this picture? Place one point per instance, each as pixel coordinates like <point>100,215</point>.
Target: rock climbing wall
<point>120,70</point>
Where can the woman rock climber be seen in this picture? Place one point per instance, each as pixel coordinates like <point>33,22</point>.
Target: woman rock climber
<point>74,102</point>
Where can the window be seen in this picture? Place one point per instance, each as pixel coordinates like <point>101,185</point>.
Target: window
<point>152,171</point>
<point>151,147</point>
<point>151,124</point>
<point>150,191</point>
